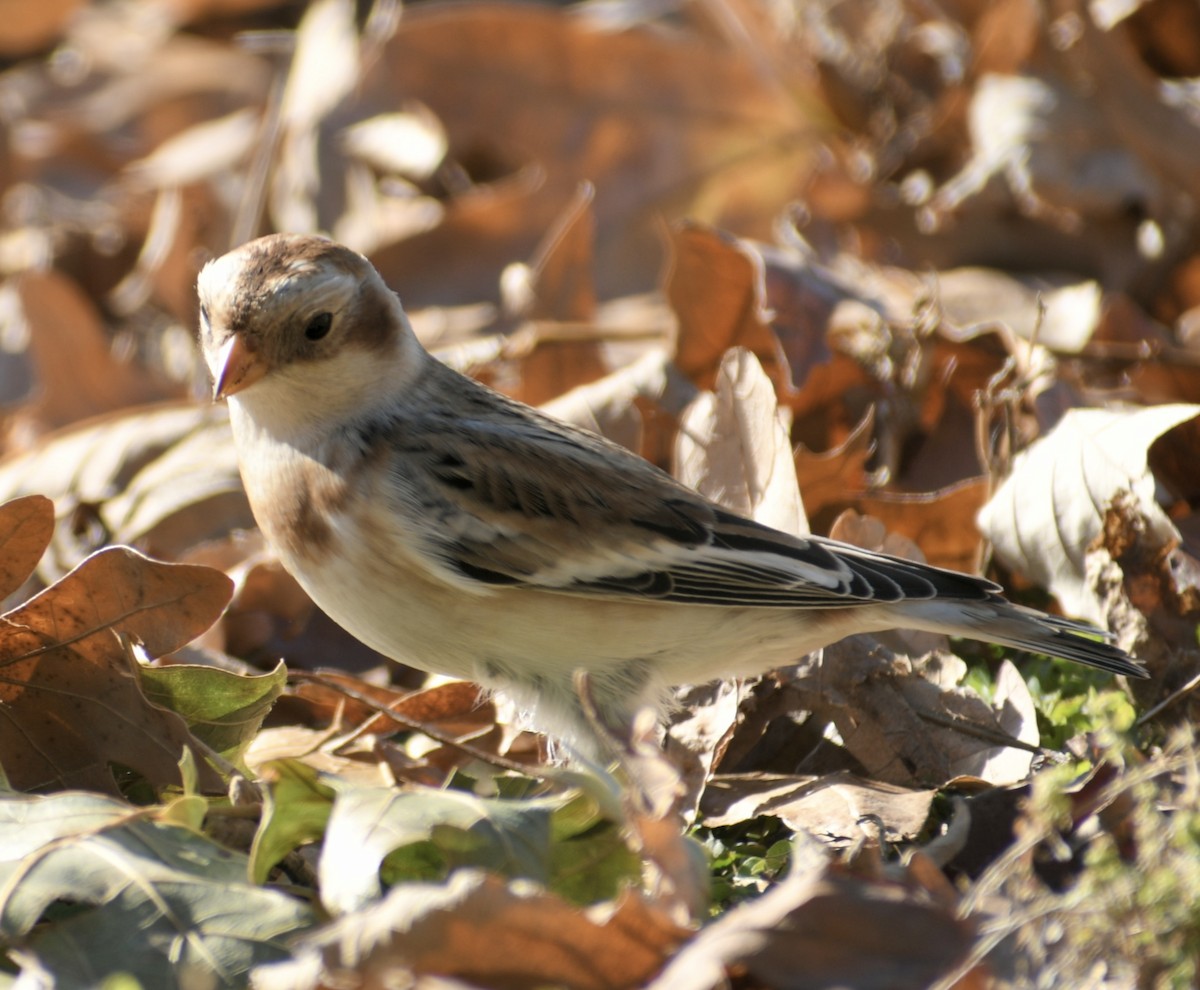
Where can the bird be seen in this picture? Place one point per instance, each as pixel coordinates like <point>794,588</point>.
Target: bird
<point>459,531</point>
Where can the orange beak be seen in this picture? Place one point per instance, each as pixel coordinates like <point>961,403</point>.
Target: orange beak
<point>240,367</point>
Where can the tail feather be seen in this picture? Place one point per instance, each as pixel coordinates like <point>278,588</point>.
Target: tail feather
<point>999,621</point>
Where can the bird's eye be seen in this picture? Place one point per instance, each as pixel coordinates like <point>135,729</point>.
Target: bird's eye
<point>204,314</point>
<point>318,326</point>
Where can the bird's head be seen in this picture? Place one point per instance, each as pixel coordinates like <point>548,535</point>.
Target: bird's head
<point>297,313</point>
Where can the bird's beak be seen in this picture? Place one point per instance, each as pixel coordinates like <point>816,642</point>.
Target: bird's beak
<point>240,366</point>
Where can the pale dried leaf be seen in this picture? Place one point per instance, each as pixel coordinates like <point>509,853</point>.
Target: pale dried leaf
<point>164,477</point>
<point>410,144</point>
<point>1043,518</point>
<point>904,725</point>
<point>1016,715</point>
<point>733,447</point>
<point>312,747</point>
<point>200,152</point>
<point>700,728</point>
<point>1061,314</point>
<point>325,64</point>
<point>324,70</point>
<point>836,806</point>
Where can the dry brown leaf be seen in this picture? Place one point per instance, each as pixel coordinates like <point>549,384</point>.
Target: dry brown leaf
<point>941,523</point>
<point>563,92</point>
<point>70,693</point>
<point>489,934</point>
<point>608,406</point>
<point>26,527</point>
<point>1005,35</point>
<point>715,286</point>
<point>823,928</point>
<point>1149,593</point>
<point>323,695</point>
<point>562,290</point>
<point>733,447</point>
<point>562,268</point>
<point>833,481</point>
<point>76,372</point>
<point>501,221</point>
<point>802,297</point>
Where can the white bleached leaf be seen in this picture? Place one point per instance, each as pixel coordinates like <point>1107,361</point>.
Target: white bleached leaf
<point>1047,512</point>
<point>733,447</point>
<point>408,144</point>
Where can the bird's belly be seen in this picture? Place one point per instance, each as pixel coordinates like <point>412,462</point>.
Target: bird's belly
<point>531,637</point>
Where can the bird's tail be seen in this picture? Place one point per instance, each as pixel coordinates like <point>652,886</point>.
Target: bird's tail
<point>998,621</point>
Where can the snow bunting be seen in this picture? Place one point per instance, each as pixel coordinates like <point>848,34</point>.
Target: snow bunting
<point>458,531</point>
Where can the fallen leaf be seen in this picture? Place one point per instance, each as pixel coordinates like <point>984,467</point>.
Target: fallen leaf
<point>28,27</point>
<point>536,87</point>
<point>562,290</point>
<point>941,523</point>
<point>199,152</point>
<point>487,933</point>
<point>715,286</point>
<point>411,144</point>
<point>1060,313</point>
<point>834,805</point>
<point>223,709</point>
<point>834,480</point>
<point>733,447</point>
<point>152,902</point>
<point>822,928</point>
<point>325,68</point>
<point>76,372</point>
<point>901,726</point>
<point>163,477</point>
<point>1048,511</point>
<point>26,526</point>
<point>296,809</point>
<point>72,698</point>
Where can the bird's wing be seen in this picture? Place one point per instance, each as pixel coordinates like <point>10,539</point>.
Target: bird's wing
<point>521,500</point>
